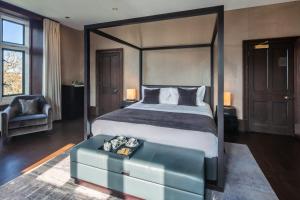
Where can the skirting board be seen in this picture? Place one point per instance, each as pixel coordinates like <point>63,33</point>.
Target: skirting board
<point>242,125</point>
<point>93,110</point>
<point>297,130</point>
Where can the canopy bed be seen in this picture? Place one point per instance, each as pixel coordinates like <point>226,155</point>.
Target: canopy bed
<point>201,135</point>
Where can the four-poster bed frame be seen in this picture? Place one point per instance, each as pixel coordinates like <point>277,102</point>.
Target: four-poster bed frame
<point>218,35</point>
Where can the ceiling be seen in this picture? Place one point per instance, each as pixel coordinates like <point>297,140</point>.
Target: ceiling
<point>83,12</point>
<point>182,31</point>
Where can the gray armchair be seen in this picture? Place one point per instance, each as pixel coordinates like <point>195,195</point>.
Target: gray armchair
<point>14,123</point>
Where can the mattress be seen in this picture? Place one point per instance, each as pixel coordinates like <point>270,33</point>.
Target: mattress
<point>191,139</point>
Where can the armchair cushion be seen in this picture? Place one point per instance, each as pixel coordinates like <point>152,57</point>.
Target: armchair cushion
<point>30,107</point>
<point>27,120</point>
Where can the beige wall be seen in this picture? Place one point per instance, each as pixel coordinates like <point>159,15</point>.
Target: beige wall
<point>177,67</point>
<point>130,59</point>
<point>71,55</point>
<point>273,21</point>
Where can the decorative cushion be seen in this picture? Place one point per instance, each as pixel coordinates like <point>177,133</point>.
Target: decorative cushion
<point>29,107</point>
<point>148,88</point>
<point>27,120</point>
<point>151,96</point>
<point>200,94</point>
<point>187,97</point>
<point>168,96</point>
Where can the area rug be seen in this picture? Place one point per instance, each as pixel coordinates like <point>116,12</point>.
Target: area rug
<point>51,181</point>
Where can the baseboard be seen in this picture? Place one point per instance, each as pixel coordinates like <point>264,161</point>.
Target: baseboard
<point>297,131</point>
<point>93,110</point>
<point>243,125</point>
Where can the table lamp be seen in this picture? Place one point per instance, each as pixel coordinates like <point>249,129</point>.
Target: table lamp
<point>131,94</point>
<point>227,98</point>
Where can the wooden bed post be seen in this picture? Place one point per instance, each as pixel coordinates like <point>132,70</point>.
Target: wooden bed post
<point>212,63</point>
<point>220,111</point>
<point>86,83</point>
<point>141,72</point>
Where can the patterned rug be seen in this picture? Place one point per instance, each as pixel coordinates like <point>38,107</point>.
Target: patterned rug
<point>244,181</point>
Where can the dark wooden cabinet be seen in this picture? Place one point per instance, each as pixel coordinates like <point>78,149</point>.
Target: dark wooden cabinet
<point>126,103</point>
<point>230,120</point>
<point>72,102</point>
<point>231,123</point>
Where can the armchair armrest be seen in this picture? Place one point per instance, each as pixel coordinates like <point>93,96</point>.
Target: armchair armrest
<point>7,114</point>
<point>48,111</point>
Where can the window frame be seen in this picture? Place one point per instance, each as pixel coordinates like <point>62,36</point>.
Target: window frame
<point>23,72</point>
<point>24,48</point>
<point>13,43</point>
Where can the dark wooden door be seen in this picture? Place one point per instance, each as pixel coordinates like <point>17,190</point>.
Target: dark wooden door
<point>271,87</point>
<point>109,80</point>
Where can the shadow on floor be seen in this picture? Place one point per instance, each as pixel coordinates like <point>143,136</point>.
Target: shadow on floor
<point>23,151</point>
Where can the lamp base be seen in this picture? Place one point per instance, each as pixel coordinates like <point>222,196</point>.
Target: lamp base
<point>131,100</point>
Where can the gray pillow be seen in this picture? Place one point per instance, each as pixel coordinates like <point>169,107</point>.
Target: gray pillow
<point>151,96</point>
<point>29,107</point>
<point>187,97</point>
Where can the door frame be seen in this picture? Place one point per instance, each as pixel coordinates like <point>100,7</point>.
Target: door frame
<point>246,45</point>
<point>121,94</point>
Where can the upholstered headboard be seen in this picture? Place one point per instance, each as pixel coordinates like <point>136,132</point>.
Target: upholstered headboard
<point>207,97</point>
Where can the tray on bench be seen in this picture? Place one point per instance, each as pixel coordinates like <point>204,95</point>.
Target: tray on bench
<point>113,152</point>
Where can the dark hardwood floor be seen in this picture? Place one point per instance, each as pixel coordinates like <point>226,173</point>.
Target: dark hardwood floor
<point>23,151</point>
<point>279,159</point>
<point>278,156</point>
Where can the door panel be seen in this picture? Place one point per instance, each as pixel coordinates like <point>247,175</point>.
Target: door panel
<point>109,75</point>
<point>279,70</point>
<point>271,88</point>
<point>260,111</point>
<point>260,70</point>
<point>279,115</point>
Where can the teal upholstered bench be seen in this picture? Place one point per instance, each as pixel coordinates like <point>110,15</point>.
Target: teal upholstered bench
<point>154,172</point>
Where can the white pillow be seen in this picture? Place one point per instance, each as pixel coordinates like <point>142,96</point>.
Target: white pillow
<point>168,96</point>
<point>200,95</point>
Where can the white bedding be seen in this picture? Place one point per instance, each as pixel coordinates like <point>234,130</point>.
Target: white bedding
<point>204,141</point>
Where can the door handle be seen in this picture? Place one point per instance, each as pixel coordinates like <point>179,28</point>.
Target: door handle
<point>287,98</point>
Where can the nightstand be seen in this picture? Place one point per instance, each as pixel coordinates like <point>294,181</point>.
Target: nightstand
<point>126,103</point>
<point>230,120</point>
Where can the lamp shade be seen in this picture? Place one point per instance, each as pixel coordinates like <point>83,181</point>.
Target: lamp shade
<point>227,98</point>
<point>131,94</point>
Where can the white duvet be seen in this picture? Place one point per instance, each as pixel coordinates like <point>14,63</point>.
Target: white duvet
<point>204,141</point>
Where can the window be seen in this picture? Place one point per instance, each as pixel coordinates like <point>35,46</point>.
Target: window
<point>14,46</point>
<point>13,72</point>
<point>12,32</point>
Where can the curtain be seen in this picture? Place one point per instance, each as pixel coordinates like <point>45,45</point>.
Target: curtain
<point>52,66</point>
